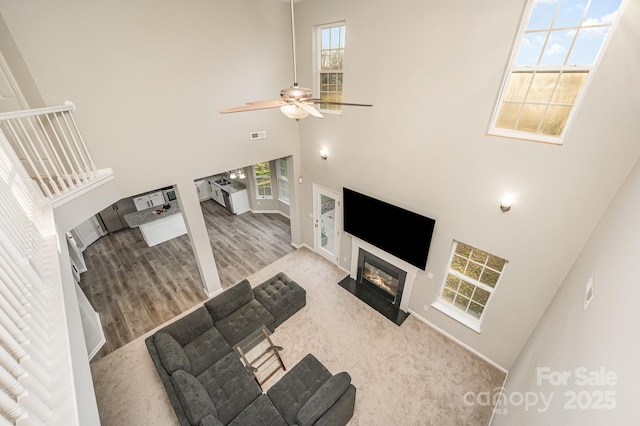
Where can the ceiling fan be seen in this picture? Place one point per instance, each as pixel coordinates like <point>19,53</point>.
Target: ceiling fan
<point>295,101</point>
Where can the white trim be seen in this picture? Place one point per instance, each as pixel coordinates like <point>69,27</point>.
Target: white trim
<point>214,294</point>
<point>317,63</point>
<point>463,318</point>
<point>459,342</point>
<point>512,67</point>
<point>333,256</point>
<point>103,338</point>
<point>102,176</point>
<point>412,271</point>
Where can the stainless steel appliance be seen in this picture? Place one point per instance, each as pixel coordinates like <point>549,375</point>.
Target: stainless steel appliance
<point>112,218</point>
<point>169,194</point>
<point>227,201</point>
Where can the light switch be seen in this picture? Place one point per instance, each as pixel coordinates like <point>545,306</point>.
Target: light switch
<point>589,289</point>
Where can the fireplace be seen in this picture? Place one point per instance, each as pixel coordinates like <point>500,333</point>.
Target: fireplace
<point>383,277</point>
<point>381,280</point>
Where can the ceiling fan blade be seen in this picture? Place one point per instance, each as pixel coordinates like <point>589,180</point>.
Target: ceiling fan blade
<point>271,102</point>
<point>323,102</point>
<point>254,106</point>
<point>309,108</point>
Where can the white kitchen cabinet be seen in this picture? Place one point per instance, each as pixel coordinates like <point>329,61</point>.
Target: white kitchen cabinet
<point>202,186</point>
<point>216,193</point>
<point>239,201</point>
<point>152,199</point>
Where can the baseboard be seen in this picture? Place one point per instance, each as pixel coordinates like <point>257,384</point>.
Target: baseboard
<point>270,211</point>
<point>103,338</point>
<point>214,294</point>
<point>495,407</point>
<point>459,342</point>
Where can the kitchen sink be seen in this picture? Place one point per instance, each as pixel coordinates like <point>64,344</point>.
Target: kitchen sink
<point>222,182</point>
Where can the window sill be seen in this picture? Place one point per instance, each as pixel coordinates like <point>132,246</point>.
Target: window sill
<point>530,137</point>
<point>331,112</point>
<point>283,201</point>
<point>462,318</point>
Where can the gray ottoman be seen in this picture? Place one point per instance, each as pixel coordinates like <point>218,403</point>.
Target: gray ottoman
<point>281,296</point>
<point>309,394</point>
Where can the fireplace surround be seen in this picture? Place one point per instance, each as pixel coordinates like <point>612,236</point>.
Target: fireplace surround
<point>382,276</point>
<point>381,280</point>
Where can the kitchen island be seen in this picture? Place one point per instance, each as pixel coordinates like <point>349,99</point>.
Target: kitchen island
<point>157,224</point>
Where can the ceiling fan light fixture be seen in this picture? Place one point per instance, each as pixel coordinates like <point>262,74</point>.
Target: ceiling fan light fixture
<point>293,111</point>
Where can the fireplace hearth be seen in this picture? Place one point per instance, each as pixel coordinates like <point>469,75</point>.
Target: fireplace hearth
<point>380,284</point>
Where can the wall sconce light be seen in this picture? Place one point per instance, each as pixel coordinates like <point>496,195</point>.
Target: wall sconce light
<point>505,204</point>
<point>323,153</point>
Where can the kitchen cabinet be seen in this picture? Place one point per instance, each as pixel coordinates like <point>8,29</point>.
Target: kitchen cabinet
<point>239,201</point>
<point>216,193</point>
<point>146,201</point>
<point>158,226</point>
<point>202,186</point>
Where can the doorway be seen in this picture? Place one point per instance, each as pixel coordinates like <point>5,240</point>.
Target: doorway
<point>327,222</point>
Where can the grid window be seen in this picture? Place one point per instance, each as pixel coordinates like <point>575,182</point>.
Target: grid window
<point>283,180</point>
<point>470,281</point>
<point>558,47</point>
<point>262,174</point>
<point>331,61</point>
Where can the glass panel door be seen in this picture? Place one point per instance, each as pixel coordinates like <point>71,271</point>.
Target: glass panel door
<point>327,209</point>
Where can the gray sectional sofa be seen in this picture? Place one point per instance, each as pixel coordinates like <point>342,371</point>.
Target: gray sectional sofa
<point>207,383</point>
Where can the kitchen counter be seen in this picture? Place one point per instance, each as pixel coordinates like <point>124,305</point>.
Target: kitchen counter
<point>233,186</point>
<point>156,227</point>
<point>145,216</point>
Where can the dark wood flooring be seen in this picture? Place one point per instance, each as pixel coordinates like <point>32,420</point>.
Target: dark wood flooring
<point>135,288</point>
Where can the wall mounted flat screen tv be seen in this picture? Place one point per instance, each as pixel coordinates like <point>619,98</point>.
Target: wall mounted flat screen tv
<point>400,232</point>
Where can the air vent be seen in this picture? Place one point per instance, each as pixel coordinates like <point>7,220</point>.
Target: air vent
<point>261,134</point>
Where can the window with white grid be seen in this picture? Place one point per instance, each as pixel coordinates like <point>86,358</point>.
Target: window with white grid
<point>283,180</point>
<point>331,43</point>
<point>557,50</point>
<point>471,279</point>
<point>262,174</point>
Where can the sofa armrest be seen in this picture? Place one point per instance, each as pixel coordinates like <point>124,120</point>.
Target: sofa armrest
<point>323,399</point>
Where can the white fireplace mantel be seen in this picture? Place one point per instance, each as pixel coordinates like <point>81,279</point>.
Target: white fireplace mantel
<point>412,271</point>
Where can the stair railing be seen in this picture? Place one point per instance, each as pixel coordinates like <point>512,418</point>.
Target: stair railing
<point>51,148</point>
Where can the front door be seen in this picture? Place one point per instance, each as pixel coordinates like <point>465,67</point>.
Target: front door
<point>327,208</point>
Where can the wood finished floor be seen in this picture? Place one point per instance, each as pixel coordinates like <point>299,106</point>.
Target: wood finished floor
<point>135,288</point>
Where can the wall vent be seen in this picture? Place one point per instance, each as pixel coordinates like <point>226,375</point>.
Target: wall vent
<point>261,134</point>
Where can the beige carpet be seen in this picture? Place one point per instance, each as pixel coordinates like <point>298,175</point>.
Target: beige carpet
<point>408,375</point>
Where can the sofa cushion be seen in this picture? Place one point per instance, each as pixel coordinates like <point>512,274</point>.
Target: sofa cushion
<point>229,300</point>
<point>210,421</point>
<point>323,399</point>
<point>230,387</point>
<point>260,412</point>
<point>192,396</point>
<point>297,386</point>
<point>244,321</point>
<point>281,296</point>
<point>205,350</point>
<point>187,328</point>
<point>171,353</point>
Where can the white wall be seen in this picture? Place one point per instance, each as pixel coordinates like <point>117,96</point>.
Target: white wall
<point>601,340</point>
<point>149,76</point>
<point>433,71</point>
